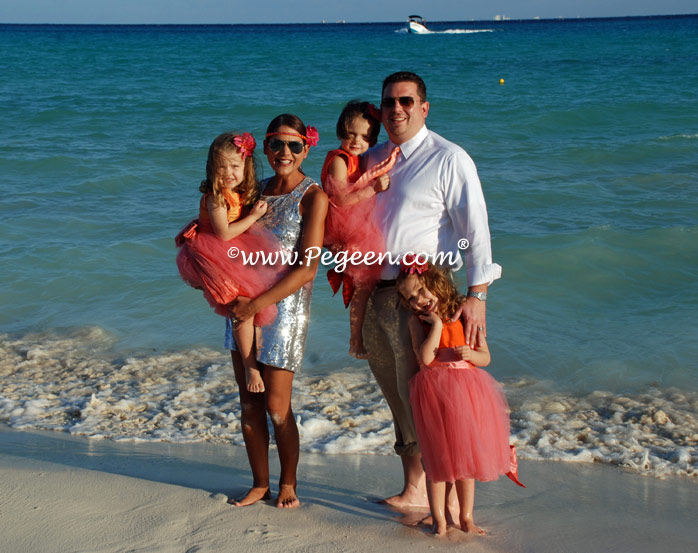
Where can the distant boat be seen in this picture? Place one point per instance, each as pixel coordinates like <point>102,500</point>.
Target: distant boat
<point>417,24</point>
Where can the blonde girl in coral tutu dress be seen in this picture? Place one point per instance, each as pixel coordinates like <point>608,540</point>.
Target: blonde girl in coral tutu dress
<point>210,248</point>
<point>350,226</point>
<point>460,412</point>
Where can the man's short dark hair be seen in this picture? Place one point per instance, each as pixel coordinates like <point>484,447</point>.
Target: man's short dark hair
<point>407,76</point>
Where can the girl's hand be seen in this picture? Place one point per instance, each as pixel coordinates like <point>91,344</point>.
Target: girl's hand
<point>465,352</point>
<point>432,318</point>
<point>259,209</point>
<point>381,183</point>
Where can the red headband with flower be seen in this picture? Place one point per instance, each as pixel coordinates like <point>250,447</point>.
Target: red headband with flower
<point>311,136</point>
<point>246,143</point>
<point>410,265</point>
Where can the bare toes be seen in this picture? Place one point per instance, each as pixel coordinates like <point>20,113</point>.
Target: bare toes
<point>251,497</point>
<point>287,497</point>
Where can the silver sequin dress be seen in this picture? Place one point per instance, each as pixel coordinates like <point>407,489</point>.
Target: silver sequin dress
<point>282,343</point>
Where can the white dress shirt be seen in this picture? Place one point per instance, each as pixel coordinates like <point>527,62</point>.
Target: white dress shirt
<point>434,200</point>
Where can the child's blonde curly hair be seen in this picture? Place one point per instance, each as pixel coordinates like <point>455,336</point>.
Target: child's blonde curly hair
<point>222,144</point>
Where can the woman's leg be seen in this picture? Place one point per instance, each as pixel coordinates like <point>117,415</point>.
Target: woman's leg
<point>244,338</point>
<point>256,435</point>
<point>278,397</point>
<point>466,497</point>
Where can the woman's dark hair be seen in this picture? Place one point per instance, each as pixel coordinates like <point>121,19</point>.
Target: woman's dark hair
<point>287,120</point>
<point>351,111</point>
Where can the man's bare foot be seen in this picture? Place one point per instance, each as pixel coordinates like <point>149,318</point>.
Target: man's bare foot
<point>255,384</point>
<point>252,496</point>
<point>287,497</point>
<point>469,526</point>
<point>410,498</point>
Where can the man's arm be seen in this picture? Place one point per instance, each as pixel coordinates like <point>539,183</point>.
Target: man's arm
<point>466,207</point>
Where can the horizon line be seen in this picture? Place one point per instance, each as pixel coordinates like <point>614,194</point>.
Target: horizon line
<point>344,22</point>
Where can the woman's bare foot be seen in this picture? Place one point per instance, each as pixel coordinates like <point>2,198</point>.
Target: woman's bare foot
<point>287,497</point>
<point>469,526</point>
<point>252,496</point>
<point>255,384</point>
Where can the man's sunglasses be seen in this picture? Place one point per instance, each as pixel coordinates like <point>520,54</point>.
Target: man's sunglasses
<point>276,145</point>
<point>405,102</point>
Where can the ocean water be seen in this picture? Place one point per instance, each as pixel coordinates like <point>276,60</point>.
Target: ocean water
<point>588,155</point>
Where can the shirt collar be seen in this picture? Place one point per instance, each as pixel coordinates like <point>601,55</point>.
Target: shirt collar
<point>407,148</point>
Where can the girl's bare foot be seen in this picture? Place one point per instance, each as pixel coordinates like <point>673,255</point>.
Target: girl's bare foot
<point>255,384</point>
<point>469,526</point>
<point>357,349</point>
<point>439,528</point>
<point>287,497</point>
<point>252,496</point>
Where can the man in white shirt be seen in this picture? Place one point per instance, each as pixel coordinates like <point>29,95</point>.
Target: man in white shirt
<point>434,205</point>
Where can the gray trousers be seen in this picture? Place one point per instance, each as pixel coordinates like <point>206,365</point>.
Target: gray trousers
<point>391,358</point>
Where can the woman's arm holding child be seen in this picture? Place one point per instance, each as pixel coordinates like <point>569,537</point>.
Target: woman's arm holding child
<point>227,231</point>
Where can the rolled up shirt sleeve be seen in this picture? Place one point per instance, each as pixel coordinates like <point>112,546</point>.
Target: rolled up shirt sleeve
<point>465,205</point>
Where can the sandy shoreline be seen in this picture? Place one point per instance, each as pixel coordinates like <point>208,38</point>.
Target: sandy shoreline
<point>69,494</point>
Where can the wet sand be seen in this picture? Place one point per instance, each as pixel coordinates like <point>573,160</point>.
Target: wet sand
<point>68,494</point>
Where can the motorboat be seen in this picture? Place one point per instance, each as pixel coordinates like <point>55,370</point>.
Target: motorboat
<point>417,24</point>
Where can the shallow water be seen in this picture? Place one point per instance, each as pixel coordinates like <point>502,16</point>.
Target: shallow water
<point>587,154</point>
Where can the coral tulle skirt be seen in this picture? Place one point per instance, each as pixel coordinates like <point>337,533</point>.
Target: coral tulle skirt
<point>204,263</point>
<point>462,420</point>
<point>353,228</point>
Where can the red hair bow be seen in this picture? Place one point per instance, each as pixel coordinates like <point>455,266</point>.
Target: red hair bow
<point>246,143</point>
<point>312,137</point>
<point>374,112</point>
<point>411,266</point>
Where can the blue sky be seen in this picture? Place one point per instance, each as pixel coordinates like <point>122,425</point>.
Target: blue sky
<point>314,11</point>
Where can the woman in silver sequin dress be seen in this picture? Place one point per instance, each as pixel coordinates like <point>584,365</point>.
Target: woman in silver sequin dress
<point>296,216</point>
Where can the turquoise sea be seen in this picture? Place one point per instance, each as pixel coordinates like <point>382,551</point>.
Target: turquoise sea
<point>588,155</point>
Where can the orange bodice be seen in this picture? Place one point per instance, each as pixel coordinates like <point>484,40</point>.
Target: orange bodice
<point>452,335</point>
<point>234,207</point>
<point>353,171</point>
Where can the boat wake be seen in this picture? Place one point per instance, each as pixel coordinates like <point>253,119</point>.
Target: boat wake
<point>447,31</point>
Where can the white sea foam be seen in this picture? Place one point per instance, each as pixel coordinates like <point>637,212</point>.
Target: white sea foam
<point>449,31</point>
<point>74,383</point>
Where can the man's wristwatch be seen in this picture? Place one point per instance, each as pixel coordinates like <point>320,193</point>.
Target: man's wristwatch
<point>479,295</point>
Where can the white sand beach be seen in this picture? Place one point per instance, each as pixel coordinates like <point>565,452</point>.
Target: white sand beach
<point>69,494</point>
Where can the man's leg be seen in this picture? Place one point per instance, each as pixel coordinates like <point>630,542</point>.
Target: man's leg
<point>392,361</point>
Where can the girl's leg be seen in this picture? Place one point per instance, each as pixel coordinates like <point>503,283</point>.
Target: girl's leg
<point>278,403</point>
<point>466,497</point>
<point>244,338</point>
<point>357,312</point>
<point>256,434</point>
<point>436,491</point>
